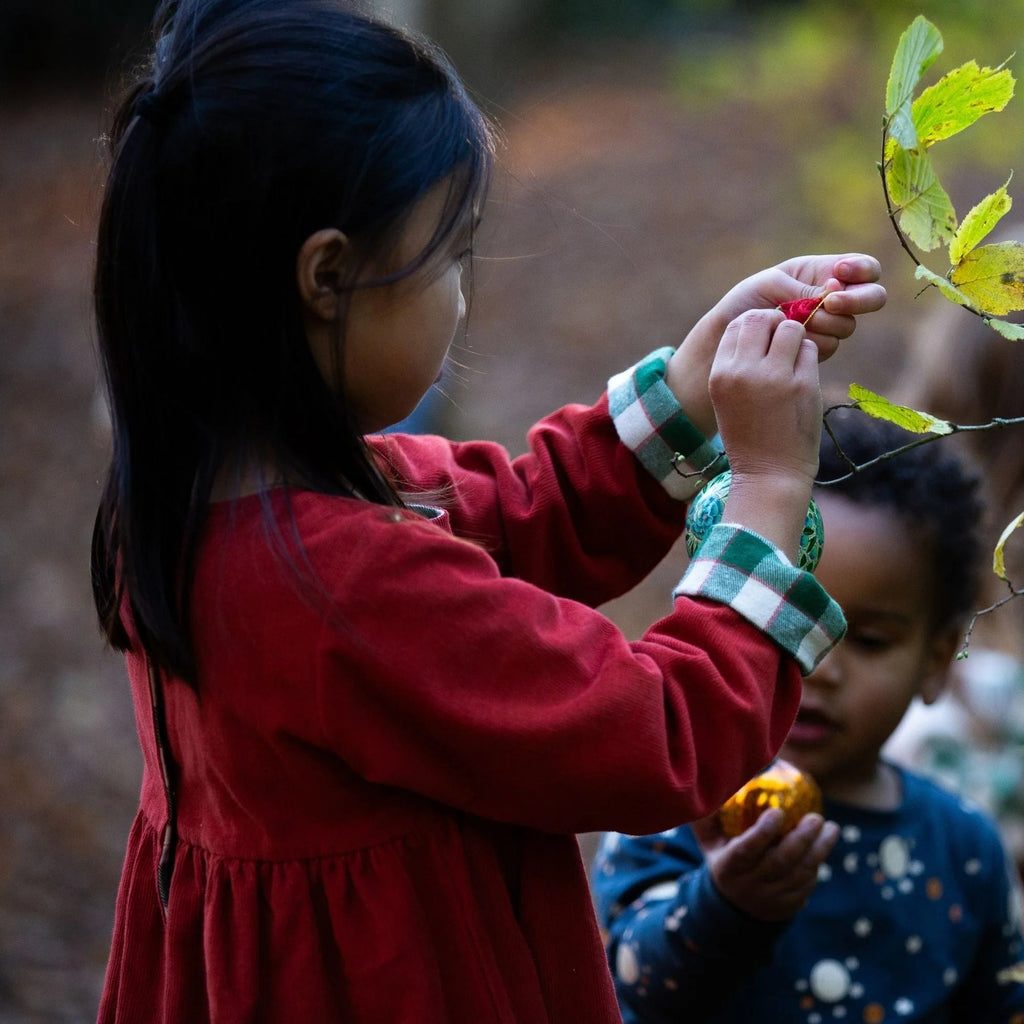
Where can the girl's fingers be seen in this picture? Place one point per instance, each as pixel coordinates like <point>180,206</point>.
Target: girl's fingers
<point>854,300</point>
<point>808,356</point>
<point>787,343</point>
<point>849,269</point>
<point>727,346</point>
<point>765,334</point>
<point>754,336</point>
<point>857,268</point>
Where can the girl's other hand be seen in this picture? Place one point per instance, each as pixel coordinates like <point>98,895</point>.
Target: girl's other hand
<point>848,282</point>
<point>767,876</point>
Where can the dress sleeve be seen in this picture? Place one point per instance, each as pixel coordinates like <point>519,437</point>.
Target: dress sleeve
<point>578,514</point>
<point>677,949</point>
<point>594,504</point>
<point>448,679</point>
<point>477,662</point>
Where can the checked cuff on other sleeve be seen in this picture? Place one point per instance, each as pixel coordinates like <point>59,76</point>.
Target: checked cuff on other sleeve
<point>651,423</point>
<point>737,567</point>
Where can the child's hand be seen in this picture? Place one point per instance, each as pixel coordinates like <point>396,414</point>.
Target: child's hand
<point>764,384</point>
<point>768,877</point>
<point>850,282</point>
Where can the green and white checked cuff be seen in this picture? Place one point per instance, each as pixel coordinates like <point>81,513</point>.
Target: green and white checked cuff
<point>651,423</point>
<point>737,567</point>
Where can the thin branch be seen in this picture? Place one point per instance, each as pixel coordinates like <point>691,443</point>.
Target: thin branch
<point>889,203</point>
<point>1012,596</point>
<point>955,428</point>
<point>893,211</point>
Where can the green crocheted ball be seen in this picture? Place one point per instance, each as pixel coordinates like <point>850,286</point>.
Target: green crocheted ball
<point>707,509</point>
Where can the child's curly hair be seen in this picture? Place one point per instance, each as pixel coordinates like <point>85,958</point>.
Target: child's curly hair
<point>927,486</point>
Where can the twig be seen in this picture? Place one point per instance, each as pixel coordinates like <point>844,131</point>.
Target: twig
<point>888,199</point>
<point>894,211</point>
<point>955,428</point>
<point>1013,595</point>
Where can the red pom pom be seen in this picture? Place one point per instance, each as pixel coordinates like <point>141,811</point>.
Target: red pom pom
<point>801,310</point>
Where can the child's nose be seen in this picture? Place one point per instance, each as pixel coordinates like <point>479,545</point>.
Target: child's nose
<point>828,674</point>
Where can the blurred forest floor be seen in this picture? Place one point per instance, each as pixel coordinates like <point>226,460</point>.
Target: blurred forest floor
<point>623,211</point>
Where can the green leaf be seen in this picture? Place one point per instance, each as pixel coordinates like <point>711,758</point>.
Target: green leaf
<point>1010,331</point>
<point>902,415</point>
<point>998,562</point>
<point>992,277</point>
<point>978,223</point>
<point>926,214</point>
<point>958,99</point>
<point>924,274</point>
<point>918,47</point>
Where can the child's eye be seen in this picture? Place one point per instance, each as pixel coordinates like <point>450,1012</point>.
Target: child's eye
<point>870,641</point>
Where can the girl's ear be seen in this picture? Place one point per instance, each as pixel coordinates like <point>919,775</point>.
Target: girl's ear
<point>319,270</point>
<point>939,662</point>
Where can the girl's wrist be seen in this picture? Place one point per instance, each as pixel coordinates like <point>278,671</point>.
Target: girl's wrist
<point>772,505</point>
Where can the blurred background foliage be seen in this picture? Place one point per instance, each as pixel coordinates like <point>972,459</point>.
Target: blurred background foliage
<point>818,70</point>
<point>816,67</point>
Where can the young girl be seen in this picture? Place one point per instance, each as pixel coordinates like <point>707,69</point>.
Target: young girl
<point>902,907</point>
<point>374,698</point>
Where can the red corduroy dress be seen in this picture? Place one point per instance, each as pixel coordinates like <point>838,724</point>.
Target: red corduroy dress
<point>400,724</point>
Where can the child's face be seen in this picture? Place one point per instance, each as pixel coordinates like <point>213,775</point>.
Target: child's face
<point>882,577</point>
<point>397,337</point>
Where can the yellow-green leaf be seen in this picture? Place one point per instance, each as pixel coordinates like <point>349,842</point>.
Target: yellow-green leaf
<point>918,47</point>
<point>1009,330</point>
<point>992,277</point>
<point>902,415</point>
<point>998,561</point>
<point>978,223</point>
<point>958,99</point>
<point>926,214</point>
<point>951,293</point>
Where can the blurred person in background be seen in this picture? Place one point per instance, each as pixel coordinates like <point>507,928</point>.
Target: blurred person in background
<point>972,739</point>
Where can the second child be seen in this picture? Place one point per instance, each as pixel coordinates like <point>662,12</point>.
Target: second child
<point>901,906</point>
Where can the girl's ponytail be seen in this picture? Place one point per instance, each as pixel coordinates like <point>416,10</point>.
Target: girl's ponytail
<point>140,528</point>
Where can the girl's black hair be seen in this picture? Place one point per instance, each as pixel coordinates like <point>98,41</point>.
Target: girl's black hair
<point>258,123</point>
<point>928,487</point>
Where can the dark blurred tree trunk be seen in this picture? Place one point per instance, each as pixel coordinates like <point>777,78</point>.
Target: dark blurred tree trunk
<point>47,45</point>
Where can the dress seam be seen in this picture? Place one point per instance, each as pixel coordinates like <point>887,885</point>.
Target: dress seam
<point>407,838</point>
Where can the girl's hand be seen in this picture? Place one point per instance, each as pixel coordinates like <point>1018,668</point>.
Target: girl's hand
<point>768,877</point>
<point>764,385</point>
<point>849,283</point>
